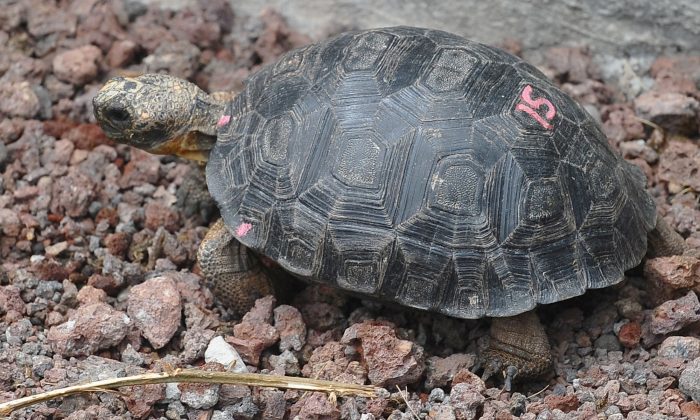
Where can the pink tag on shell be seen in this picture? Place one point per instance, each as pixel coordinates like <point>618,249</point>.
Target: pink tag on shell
<point>223,120</point>
<point>243,229</point>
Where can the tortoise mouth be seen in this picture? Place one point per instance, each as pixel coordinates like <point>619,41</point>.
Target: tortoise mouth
<point>192,145</point>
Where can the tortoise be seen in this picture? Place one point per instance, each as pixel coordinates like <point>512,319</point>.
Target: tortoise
<point>409,165</point>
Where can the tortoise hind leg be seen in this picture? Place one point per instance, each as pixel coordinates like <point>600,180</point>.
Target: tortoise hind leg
<point>663,241</point>
<point>519,347</point>
<point>234,273</point>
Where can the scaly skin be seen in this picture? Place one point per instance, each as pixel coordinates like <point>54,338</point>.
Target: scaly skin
<point>160,114</point>
<point>518,348</point>
<point>663,241</point>
<point>235,274</point>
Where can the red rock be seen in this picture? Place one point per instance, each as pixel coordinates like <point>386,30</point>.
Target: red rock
<point>122,53</point>
<point>668,367</point>
<point>570,64</point>
<point>291,327</point>
<point>330,362</point>
<point>322,316</point>
<point>265,333</point>
<point>78,66</point>
<point>685,218</point>
<point>49,269</point>
<point>390,361</point>
<point>564,403</point>
<point>679,73</point>
<point>53,318</point>
<point>174,249</point>
<point>18,100</point>
<point>26,192</point>
<point>156,308</point>
<point>678,165</point>
<point>315,406</point>
<point>671,400</point>
<point>277,37</point>
<point>117,243</point>
<point>249,350</point>
<point>630,334</point>
<point>140,399</point>
<point>72,194</point>
<point>11,129</point>
<point>218,76</point>
<point>179,58</point>
<point>160,215</point>
<point>90,328</point>
<point>143,168</point>
<point>149,33</point>
<point>98,23</point>
<point>469,379</point>
<point>191,25</point>
<point>89,294</point>
<point>254,333</point>
<point>110,284</point>
<point>44,18</point>
<point>440,371</point>
<point>10,300</point>
<point>675,314</point>
<point>201,396</point>
<point>690,410</point>
<point>466,402</point>
<point>261,312</point>
<point>275,404</point>
<point>675,272</point>
<point>9,223</point>
<point>109,214</point>
<point>192,289</point>
<point>87,136</point>
<point>674,112</point>
<point>63,149</point>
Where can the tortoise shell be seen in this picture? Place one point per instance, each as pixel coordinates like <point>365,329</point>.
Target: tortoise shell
<point>415,166</point>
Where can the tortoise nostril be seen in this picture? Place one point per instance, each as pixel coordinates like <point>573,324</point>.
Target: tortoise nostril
<point>117,114</point>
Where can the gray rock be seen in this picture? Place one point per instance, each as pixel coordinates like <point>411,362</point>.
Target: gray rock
<point>689,382</point>
<point>680,347</point>
<point>436,395</point>
<point>608,342</point>
<point>675,314</point>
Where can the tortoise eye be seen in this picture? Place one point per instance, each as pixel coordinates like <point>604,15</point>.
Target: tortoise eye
<point>117,114</point>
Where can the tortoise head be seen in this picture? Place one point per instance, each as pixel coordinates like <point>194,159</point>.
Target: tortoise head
<point>158,113</point>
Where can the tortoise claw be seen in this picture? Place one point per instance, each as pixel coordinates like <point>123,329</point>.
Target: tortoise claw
<point>509,374</point>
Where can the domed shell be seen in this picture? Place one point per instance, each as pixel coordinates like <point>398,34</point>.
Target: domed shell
<point>416,166</point>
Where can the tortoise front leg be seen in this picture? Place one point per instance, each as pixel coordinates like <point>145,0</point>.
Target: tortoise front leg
<point>518,347</point>
<point>234,273</point>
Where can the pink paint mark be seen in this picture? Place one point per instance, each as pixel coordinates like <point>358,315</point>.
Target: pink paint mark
<point>531,104</point>
<point>535,115</point>
<point>223,120</point>
<point>243,229</point>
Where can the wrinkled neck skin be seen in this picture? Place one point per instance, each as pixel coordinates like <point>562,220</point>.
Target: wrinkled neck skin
<point>206,113</point>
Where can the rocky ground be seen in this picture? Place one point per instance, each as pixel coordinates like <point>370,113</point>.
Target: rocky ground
<point>97,244</point>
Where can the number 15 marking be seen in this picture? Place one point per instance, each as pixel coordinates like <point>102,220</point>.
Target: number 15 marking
<point>531,106</point>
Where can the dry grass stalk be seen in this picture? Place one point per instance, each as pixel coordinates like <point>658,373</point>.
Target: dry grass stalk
<point>198,376</point>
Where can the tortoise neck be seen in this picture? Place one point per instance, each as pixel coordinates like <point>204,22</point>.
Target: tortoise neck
<point>207,112</point>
